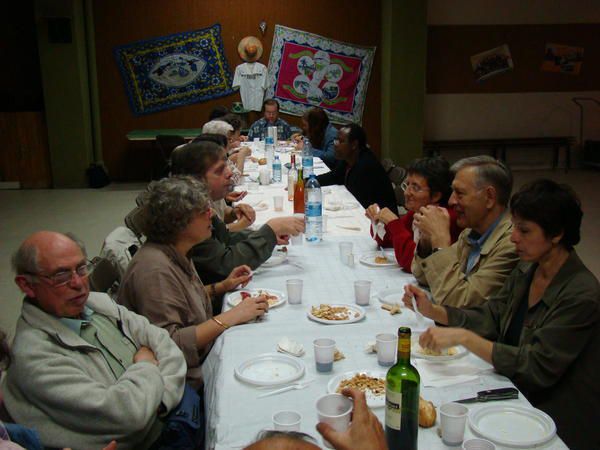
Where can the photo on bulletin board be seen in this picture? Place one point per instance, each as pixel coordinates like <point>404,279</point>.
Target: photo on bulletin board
<point>563,59</point>
<point>491,62</point>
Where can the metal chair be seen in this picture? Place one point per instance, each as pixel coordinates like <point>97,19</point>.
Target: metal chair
<point>105,277</point>
<point>166,144</point>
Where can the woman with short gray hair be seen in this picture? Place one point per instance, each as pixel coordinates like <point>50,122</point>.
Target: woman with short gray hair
<point>161,282</point>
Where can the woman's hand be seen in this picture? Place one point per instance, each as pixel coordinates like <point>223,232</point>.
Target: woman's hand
<point>247,211</point>
<point>438,339</point>
<point>386,216</point>
<point>248,309</point>
<point>372,212</point>
<point>241,275</point>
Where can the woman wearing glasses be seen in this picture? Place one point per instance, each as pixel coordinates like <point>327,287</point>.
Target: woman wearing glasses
<point>161,282</point>
<point>428,183</point>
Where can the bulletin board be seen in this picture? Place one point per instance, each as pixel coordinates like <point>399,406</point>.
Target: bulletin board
<point>450,49</point>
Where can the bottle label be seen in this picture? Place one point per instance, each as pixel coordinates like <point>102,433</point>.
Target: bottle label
<point>313,209</point>
<point>393,409</point>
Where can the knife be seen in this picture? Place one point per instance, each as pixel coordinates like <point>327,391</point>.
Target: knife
<point>491,395</point>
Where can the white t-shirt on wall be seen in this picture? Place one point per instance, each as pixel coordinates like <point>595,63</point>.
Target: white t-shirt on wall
<point>251,78</point>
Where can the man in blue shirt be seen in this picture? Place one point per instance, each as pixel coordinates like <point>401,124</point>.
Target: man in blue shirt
<point>271,118</point>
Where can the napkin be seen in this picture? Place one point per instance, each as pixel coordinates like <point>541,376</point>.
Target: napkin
<point>287,345</point>
<point>379,230</point>
<point>438,374</point>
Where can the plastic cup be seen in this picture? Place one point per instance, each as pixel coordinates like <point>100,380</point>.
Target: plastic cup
<point>256,140</point>
<point>297,240</point>
<point>478,444</point>
<point>324,350</point>
<point>294,291</point>
<point>345,250</point>
<point>264,176</point>
<point>278,202</point>
<point>287,421</point>
<point>362,292</point>
<point>386,349</point>
<point>453,418</point>
<point>335,410</point>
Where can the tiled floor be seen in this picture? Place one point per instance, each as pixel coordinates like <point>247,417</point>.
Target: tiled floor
<point>92,214</point>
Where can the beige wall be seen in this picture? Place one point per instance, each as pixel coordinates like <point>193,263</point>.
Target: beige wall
<point>464,116</point>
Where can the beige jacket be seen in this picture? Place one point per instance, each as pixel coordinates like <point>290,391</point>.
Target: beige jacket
<point>444,270</point>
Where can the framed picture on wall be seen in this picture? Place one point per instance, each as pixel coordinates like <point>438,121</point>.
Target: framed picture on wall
<point>491,62</point>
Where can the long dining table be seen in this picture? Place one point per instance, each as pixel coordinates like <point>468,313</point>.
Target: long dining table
<point>235,414</point>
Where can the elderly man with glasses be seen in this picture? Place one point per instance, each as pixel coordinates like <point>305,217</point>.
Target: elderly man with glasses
<point>469,271</point>
<point>84,370</point>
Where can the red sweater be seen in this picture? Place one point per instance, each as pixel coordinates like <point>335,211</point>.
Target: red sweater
<point>399,234</point>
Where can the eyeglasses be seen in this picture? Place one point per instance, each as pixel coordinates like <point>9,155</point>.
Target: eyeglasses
<point>413,187</point>
<point>65,276</point>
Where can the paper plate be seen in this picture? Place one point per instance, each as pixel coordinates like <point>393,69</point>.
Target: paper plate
<point>513,426</point>
<point>373,401</point>
<point>270,369</point>
<point>391,296</point>
<point>276,259</point>
<point>356,313</point>
<point>234,298</point>
<point>416,351</point>
<point>368,259</point>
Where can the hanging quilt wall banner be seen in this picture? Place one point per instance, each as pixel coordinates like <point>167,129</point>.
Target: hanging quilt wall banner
<point>307,70</point>
<point>175,70</point>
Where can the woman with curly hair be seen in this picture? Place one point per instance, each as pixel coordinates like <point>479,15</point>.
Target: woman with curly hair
<point>161,282</point>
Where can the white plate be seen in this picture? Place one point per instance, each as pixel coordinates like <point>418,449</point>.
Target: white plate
<point>416,352</point>
<point>270,369</point>
<point>513,426</point>
<point>276,259</point>
<point>391,296</point>
<point>353,309</point>
<point>373,401</point>
<point>234,298</point>
<point>368,259</point>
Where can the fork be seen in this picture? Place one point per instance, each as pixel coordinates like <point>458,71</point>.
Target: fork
<point>287,388</point>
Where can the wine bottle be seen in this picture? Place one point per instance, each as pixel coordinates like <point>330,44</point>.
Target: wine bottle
<point>292,178</point>
<point>299,194</point>
<point>402,398</point>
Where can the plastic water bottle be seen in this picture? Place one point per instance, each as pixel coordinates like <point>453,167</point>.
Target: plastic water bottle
<point>307,159</point>
<point>276,169</point>
<point>313,212</point>
<point>269,150</point>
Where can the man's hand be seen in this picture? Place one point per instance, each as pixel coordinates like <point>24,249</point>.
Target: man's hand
<point>386,216</point>
<point>372,212</point>
<point>145,354</point>
<point>434,222</point>
<point>241,275</point>
<point>423,303</point>
<point>438,339</point>
<point>286,226</point>
<point>247,211</point>
<point>365,431</point>
<point>235,196</point>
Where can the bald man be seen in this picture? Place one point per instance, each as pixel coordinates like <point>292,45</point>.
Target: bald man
<point>85,371</point>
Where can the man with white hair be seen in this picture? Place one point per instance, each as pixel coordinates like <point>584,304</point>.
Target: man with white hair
<point>84,370</point>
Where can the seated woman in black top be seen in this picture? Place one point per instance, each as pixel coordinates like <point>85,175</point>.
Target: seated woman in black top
<point>359,170</point>
<point>542,329</point>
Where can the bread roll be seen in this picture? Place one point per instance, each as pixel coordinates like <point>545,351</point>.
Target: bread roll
<point>427,413</point>
<point>262,161</point>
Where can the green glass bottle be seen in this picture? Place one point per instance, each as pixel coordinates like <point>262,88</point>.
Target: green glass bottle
<point>402,398</point>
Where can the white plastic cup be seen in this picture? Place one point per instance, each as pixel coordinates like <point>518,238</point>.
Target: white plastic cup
<point>478,444</point>
<point>294,291</point>
<point>297,240</point>
<point>453,419</point>
<point>278,202</point>
<point>256,140</point>
<point>264,176</point>
<point>324,350</point>
<point>362,292</point>
<point>335,410</point>
<point>345,250</point>
<point>386,344</point>
<point>287,421</point>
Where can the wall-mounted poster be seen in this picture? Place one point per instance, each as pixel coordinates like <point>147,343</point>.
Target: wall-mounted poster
<point>307,70</point>
<point>170,71</point>
<point>563,59</point>
<point>491,62</point>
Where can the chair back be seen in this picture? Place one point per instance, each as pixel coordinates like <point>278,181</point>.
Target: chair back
<point>105,277</point>
<point>133,221</point>
<point>396,174</point>
<point>166,144</point>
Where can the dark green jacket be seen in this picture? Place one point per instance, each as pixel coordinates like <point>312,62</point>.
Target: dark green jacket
<point>216,257</point>
<point>557,362</point>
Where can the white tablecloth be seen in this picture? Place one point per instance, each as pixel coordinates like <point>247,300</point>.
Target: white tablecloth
<point>235,415</point>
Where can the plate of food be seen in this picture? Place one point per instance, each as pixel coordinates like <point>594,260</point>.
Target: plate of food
<point>371,382</point>
<point>376,259</point>
<point>391,296</point>
<point>275,298</point>
<point>270,369</point>
<point>279,257</point>
<point>447,354</point>
<point>336,314</point>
